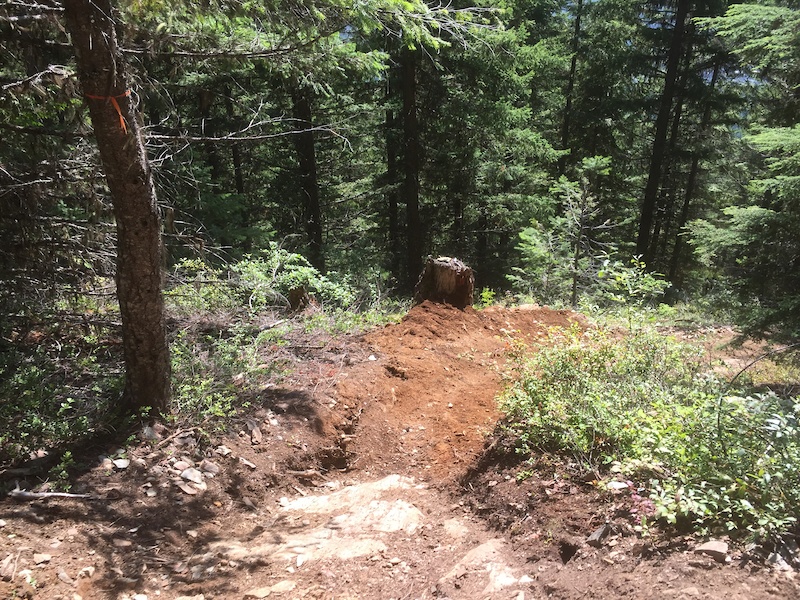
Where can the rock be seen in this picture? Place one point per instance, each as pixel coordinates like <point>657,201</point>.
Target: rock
<point>62,575</point>
<point>258,592</point>
<point>2,523</point>
<point>596,538</point>
<point>247,463</point>
<point>186,488</point>
<point>120,543</point>
<point>7,568</point>
<point>715,549</point>
<point>209,468</point>
<point>222,450</point>
<point>40,558</point>
<point>692,592</point>
<point>287,585</point>
<point>121,463</point>
<point>181,465</point>
<point>256,437</point>
<point>148,433</point>
<point>86,572</point>
<point>192,474</point>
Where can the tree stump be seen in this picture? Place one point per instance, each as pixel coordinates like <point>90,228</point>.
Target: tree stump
<point>445,280</point>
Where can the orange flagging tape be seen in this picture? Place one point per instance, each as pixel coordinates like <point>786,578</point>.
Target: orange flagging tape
<point>115,104</point>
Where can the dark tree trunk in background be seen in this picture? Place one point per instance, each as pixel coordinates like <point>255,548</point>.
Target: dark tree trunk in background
<point>573,67</point>
<point>309,185</point>
<point>677,250</point>
<point>391,137</point>
<point>661,132</point>
<point>102,73</point>
<point>411,163</point>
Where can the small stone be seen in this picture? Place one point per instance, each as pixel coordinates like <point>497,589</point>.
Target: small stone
<point>120,543</point>
<point>287,585</point>
<point>181,465</point>
<point>192,474</point>
<point>258,592</point>
<point>247,463</point>
<point>62,575</point>
<point>617,486</point>
<point>139,597</point>
<point>256,437</point>
<point>148,433</point>
<point>186,488</point>
<point>86,572</point>
<point>41,558</point>
<point>692,592</point>
<point>2,523</point>
<point>121,463</point>
<point>715,549</point>
<point>209,468</point>
<point>223,450</point>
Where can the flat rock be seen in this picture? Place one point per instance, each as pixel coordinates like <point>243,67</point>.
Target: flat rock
<point>715,549</point>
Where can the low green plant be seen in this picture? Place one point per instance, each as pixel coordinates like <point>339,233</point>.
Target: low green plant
<point>59,475</point>
<point>642,405</point>
<point>55,395</point>
<point>486,297</point>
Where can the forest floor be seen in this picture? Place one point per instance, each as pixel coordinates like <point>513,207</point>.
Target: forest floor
<point>372,471</point>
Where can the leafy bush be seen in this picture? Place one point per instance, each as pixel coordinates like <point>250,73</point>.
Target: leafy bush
<point>642,405</point>
<point>52,399</point>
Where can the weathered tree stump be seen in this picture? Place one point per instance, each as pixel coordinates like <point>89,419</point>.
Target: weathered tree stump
<point>445,280</point>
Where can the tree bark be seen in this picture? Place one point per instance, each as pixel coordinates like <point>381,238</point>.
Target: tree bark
<point>309,184</point>
<point>573,67</point>
<point>446,280</point>
<point>661,131</point>
<point>102,73</point>
<point>411,162</point>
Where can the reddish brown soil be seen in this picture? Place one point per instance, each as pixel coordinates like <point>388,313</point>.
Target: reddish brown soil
<point>414,399</point>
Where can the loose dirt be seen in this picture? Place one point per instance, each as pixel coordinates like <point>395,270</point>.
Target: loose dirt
<point>371,472</point>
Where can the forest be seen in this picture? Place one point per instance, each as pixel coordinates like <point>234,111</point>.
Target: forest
<point>163,161</point>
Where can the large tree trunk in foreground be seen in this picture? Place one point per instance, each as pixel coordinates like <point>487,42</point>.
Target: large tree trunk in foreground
<point>446,280</point>
<point>102,73</point>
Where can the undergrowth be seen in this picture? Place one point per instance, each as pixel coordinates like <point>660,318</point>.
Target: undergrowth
<point>711,459</point>
<point>231,325</point>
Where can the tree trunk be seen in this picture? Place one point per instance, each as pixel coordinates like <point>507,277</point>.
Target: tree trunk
<point>392,175</point>
<point>307,160</point>
<point>661,131</point>
<point>102,73</point>
<point>573,67</point>
<point>677,249</point>
<point>411,162</point>
<point>446,280</point>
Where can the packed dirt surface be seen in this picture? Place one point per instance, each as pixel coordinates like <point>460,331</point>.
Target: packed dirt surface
<point>371,472</point>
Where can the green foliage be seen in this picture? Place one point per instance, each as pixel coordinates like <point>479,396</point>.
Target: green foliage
<point>256,283</point>
<point>213,375</point>
<point>643,406</point>
<point>55,395</point>
<point>276,272</point>
<point>486,297</point>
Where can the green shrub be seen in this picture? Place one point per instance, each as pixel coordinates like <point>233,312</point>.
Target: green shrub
<point>643,406</point>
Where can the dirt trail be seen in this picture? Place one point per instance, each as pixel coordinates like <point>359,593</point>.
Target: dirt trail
<point>364,476</point>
